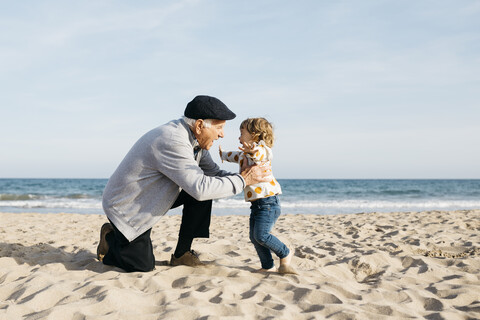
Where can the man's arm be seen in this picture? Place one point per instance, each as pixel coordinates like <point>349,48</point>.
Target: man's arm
<point>210,167</point>
<point>204,181</point>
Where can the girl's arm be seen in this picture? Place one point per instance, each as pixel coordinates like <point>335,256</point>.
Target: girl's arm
<point>230,156</point>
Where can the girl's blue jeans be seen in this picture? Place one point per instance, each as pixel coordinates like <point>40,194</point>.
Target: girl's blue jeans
<point>264,214</point>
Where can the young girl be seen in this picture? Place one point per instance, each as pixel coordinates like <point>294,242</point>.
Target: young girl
<point>256,138</point>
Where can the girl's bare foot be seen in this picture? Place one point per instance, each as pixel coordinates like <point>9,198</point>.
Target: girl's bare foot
<point>287,259</point>
<point>285,267</point>
<point>267,270</point>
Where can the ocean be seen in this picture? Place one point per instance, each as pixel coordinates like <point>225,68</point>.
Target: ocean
<point>300,196</point>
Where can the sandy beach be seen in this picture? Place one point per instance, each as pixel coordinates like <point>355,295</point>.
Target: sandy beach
<point>359,266</point>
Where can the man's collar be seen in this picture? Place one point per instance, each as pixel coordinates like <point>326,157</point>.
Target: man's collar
<point>191,135</point>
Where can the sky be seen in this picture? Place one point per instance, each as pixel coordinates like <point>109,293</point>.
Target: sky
<point>354,89</point>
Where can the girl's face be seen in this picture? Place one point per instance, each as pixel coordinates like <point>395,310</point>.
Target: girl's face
<point>245,137</point>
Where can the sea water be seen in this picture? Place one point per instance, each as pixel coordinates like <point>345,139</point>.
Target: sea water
<point>300,196</point>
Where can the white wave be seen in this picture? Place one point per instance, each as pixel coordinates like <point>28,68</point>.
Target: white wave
<point>372,204</point>
<point>239,206</point>
<point>57,203</point>
<point>234,203</point>
<point>230,203</point>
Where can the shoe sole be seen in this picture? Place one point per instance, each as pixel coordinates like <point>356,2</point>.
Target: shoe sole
<point>191,263</point>
<point>102,248</point>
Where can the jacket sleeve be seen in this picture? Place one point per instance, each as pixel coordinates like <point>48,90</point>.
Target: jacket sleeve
<point>231,156</point>
<point>174,158</point>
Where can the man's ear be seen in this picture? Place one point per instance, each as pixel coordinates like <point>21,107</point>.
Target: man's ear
<point>198,126</point>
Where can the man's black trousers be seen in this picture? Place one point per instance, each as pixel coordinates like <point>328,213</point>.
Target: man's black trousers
<point>137,255</point>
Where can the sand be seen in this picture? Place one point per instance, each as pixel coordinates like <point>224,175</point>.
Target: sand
<point>359,266</point>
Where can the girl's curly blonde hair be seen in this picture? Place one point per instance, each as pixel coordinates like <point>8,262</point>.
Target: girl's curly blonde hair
<point>260,129</point>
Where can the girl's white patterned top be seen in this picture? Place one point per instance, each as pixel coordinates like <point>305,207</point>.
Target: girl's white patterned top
<point>260,155</point>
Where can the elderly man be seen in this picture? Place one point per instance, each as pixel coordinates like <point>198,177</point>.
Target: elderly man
<point>168,167</point>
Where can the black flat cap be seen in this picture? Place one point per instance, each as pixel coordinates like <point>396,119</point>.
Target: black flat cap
<point>206,107</point>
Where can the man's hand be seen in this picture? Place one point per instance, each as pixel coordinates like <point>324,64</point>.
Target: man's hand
<point>257,173</point>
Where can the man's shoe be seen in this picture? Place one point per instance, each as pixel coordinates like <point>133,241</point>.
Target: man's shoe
<point>102,248</point>
<point>189,258</point>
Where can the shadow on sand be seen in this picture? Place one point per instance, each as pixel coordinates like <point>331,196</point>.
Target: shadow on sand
<point>42,254</point>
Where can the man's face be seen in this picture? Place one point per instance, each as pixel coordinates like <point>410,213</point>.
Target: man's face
<point>206,136</point>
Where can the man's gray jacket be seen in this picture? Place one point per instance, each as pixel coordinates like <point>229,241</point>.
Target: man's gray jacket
<point>150,177</point>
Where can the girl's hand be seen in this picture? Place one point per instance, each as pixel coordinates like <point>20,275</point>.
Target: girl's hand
<point>220,152</point>
<point>247,147</point>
